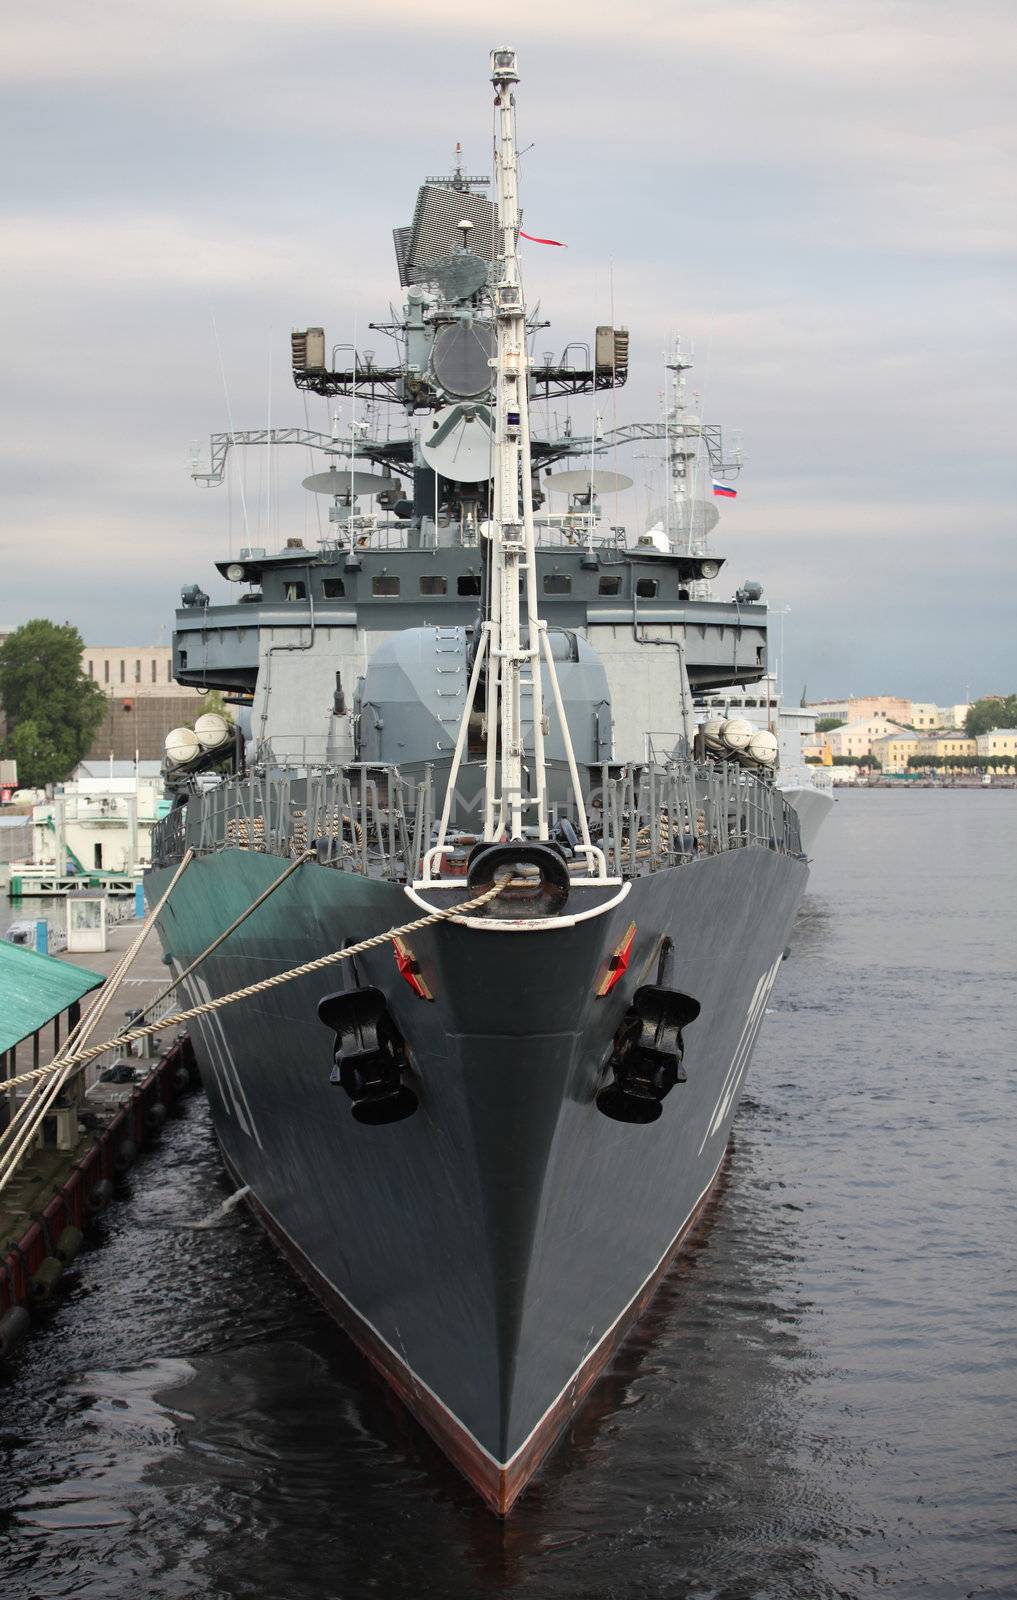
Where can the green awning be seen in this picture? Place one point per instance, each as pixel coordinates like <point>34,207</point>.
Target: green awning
<point>34,989</point>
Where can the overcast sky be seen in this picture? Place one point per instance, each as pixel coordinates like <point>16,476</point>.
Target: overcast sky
<point>818,194</point>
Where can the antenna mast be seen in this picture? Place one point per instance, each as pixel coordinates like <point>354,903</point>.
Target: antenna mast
<point>512,539</point>
<point>513,665</point>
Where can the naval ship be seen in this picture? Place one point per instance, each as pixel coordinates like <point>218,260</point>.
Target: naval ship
<point>481,1144</point>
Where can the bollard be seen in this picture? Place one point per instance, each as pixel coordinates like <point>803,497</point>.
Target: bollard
<point>42,938</point>
<point>139,900</point>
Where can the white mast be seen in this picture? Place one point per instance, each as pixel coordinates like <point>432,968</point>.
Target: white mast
<point>513,666</point>
<point>512,540</point>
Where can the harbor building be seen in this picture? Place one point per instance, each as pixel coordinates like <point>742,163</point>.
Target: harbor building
<point>855,738</point>
<point>955,716</point>
<point>15,839</point>
<point>944,749</point>
<point>37,992</point>
<point>998,742</point>
<point>889,707</point>
<point>101,820</point>
<point>143,701</point>
<point>919,714</point>
<point>894,750</point>
<point>924,716</point>
<point>950,746</point>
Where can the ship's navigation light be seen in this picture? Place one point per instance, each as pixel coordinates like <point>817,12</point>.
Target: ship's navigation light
<point>503,66</point>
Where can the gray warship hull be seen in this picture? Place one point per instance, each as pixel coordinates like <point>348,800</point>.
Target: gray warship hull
<point>488,1253</point>
<point>813,807</point>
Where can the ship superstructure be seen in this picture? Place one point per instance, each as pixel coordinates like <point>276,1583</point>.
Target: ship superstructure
<point>483,1150</point>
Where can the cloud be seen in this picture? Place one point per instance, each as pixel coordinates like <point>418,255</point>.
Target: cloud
<point>820,196</point>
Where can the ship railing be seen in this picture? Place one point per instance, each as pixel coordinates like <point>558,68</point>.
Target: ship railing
<point>577,532</point>
<point>554,531</point>
<point>658,814</point>
<point>378,820</point>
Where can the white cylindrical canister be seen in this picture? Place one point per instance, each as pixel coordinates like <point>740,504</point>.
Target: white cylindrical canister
<point>737,732</point>
<point>182,745</point>
<point>763,747</point>
<point>212,729</point>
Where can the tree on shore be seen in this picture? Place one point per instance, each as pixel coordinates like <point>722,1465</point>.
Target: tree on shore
<point>825,724</point>
<point>52,709</point>
<point>995,713</point>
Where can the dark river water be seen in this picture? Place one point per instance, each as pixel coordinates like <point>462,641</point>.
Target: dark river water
<point>821,1401</point>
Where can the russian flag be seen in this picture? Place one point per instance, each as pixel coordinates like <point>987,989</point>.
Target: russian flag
<point>725,490</point>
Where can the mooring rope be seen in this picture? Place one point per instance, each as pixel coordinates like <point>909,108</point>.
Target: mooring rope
<point>277,883</point>
<point>81,1058</point>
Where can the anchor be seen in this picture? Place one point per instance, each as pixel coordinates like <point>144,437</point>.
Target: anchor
<point>369,1054</point>
<point>647,1051</point>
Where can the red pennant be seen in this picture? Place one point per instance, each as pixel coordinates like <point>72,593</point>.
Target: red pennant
<point>534,240</point>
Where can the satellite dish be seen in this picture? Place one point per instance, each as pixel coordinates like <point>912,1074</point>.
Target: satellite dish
<point>587,482</point>
<point>342,481</point>
<point>460,443</point>
<point>702,514</point>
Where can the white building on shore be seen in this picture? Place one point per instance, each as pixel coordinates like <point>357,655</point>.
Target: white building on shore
<point>101,819</point>
<point>1000,742</point>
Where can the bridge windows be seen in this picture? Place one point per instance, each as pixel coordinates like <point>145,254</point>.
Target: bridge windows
<point>385,584</point>
<point>609,585</point>
<point>557,583</point>
<point>434,583</point>
<point>646,588</point>
<point>294,591</point>
<point>333,588</point>
<point>468,583</point>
